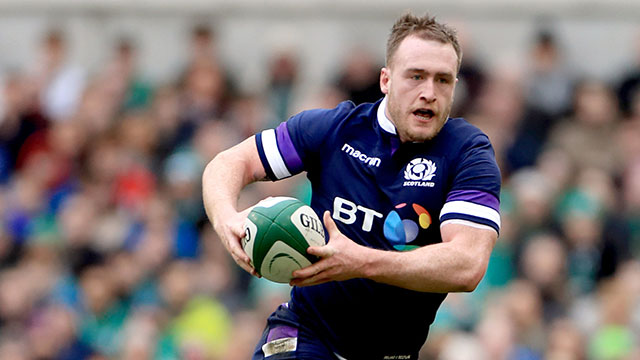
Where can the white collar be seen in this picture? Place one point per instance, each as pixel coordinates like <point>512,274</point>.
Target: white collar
<point>383,120</point>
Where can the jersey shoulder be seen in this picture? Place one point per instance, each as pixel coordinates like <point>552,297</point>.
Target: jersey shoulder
<point>313,130</point>
<point>320,122</point>
<point>459,136</point>
<point>299,143</point>
<point>461,131</point>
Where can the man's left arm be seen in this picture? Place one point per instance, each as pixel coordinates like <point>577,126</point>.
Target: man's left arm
<point>457,264</point>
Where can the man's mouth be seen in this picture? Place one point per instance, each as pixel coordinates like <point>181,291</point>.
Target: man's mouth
<point>425,114</point>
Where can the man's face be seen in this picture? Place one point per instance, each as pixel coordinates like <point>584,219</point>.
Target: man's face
<point>419,84</point>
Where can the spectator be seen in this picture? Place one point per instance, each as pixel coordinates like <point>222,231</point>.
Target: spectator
<point>614,337</point>
<point>19,120</point>
<point>565,341</point>
<point>516,129</point>
<point>629,85</point>
<point>59,83</point>
<point>206,85</point>
<point>120,77</point>
<point>631,196</point>
<point>549,81</point>
<point>283,77</point>
<point>586,135</point>
<point>543,263</point>
<point>359,79</point>
<point>471,76</point>
<point>524,303</point>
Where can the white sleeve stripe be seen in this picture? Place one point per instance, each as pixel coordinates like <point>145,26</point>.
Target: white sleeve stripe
<point>339,357</point>
<point>270,146</point>
<point>469,208</point>
<point>467,223</point>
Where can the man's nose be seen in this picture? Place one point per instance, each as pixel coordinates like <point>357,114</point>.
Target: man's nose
<point>427,91</point>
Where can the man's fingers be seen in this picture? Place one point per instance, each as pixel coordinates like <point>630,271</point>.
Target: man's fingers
<point>248,268</point>
<point>240,257</point>
<point>244,262</point>
<point>321,251</point>
<point>314,280</point>
<point>233,244</point>
<point>238,229</point>
<point>240,254</point>
<point>309,271</point>
<point>331,226</point>
<point>315,274</point>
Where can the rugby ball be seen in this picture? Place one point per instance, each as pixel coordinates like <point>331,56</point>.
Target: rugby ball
<point>278,232</point>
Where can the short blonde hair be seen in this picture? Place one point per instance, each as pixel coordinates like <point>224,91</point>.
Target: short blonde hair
<point>425,27</point>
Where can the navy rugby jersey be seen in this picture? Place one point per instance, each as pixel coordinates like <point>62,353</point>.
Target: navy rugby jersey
<point>385,195</point>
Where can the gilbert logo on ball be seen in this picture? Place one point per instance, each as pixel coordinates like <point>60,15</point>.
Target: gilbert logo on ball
<point>278,232</point>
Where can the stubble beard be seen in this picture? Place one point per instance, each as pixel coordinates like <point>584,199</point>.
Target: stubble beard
<point>405,133</point>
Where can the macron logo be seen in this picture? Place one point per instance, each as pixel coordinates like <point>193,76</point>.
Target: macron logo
<point>371,161</point>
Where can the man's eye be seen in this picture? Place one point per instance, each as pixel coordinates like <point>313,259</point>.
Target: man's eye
<point>443,81</point>
<point>416,77</point>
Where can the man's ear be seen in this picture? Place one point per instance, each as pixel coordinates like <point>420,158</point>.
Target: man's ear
<point>385,80</point>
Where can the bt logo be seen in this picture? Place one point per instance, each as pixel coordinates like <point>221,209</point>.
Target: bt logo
<point>400,230</point>
<point>345,211</point>
<point>399,227</point>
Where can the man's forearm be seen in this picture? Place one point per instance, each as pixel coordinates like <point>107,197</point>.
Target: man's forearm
<point>220,192</point>
<point>225,176</point>
<point>435,268</point>
<point>443,267</point>
<point>222,180</point>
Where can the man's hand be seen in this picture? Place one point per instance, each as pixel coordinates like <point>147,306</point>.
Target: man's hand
<point>341,259</point>
<point>231,231</point>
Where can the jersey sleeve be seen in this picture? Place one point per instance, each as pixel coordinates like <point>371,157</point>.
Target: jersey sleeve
<point>474,196</point>
<point>292,147</point>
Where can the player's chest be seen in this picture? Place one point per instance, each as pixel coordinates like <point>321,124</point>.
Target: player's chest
<point>398,196</point>
<point>399,174</point>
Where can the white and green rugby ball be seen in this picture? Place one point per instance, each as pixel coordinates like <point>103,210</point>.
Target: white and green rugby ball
<point>278,232</point>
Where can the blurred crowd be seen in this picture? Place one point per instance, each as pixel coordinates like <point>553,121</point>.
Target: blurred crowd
<point>106,252</point>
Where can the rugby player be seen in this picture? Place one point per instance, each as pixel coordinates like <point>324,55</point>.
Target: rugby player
<point>409,199</point>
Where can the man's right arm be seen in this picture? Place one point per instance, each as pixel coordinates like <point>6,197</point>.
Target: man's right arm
<point>223,179</point>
